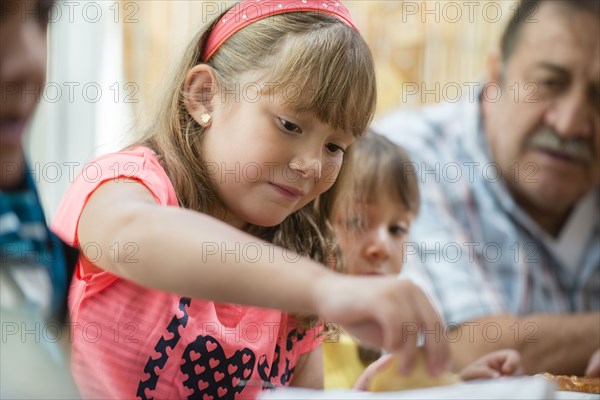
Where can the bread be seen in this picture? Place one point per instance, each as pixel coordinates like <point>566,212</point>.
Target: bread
<point>575,383</point>
<point>388,379</point>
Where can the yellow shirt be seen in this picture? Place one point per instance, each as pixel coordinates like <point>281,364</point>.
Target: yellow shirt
<point>341,363</point>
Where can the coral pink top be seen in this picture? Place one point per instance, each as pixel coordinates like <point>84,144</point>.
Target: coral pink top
<point>134,342</point>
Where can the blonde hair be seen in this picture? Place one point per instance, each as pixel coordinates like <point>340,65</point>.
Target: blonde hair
<point>386,171</point>
<point>383,171</point>
<point>331,67</point>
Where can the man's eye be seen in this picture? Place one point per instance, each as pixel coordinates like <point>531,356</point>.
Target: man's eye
<point>288,126</point>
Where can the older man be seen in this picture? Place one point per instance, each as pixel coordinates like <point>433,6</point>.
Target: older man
<point>508,239</point>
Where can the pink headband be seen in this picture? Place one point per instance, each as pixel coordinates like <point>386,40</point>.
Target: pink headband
<point>248,11</point>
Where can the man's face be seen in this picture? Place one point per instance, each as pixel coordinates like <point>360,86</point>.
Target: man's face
<point>544,131</point>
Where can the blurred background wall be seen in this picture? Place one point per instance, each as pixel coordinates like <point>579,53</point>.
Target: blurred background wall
<point>108,60</point>
<point>432,45</point>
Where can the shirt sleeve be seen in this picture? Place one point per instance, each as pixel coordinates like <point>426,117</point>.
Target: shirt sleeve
<point>139,165</point>
<point>312,339</point>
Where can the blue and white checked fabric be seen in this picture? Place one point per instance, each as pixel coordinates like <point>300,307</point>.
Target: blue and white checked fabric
<point>32,259</point>
<point>35,272</point>
<point>472,249</point>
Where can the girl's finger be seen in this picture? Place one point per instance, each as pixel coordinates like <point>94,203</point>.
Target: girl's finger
<point>593,368</point>
<point>402,339</point>
<point>478,372</point>
<point>364,380</point>
<point>407,356</point>
<point>512,364</point>
<point>381,363</point>
<point>437,349</point>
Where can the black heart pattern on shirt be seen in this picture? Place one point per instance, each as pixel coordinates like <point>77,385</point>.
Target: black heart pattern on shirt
<point>168,340</point>
<point>213,376</point>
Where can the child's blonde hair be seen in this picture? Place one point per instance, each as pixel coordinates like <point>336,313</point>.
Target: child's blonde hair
<point>385,172</point>
<point>382,170</point>
<point>322,57</point>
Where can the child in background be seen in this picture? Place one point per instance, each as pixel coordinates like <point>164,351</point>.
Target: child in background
<point>201,243</point>
<point>371,225</point>
<point>35,266</point>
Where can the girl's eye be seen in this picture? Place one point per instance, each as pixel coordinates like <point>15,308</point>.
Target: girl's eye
<point>288,126</point>
<point>355,223</point>
<point>397,230</point>
<point>334,148</point>
<point>550,84</point>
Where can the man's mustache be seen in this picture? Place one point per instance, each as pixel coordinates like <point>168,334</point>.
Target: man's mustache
<point>547,138</point>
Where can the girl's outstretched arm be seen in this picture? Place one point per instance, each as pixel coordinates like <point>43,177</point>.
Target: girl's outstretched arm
<point>190,253</point>
<point>195,255</point>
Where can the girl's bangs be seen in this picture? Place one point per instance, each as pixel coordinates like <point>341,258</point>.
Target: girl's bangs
<point>385,172</point>
<point>328,72</point>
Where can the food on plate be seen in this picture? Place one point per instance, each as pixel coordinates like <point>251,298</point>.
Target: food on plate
<point>575,383</point>
<point>388,379</point>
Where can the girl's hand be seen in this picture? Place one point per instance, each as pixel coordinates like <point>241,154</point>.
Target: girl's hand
<point>385,312</point>
<point>493,365</point>
<point>593,368</point>
<point>364,380</point>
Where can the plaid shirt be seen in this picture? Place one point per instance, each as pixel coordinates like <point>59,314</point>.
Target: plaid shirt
<point>35,272</point>
<point>472,249</point>
<point>34,262</point>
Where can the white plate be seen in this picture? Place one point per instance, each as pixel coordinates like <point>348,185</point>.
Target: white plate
<point>525,388</point>
<point>562,395</point>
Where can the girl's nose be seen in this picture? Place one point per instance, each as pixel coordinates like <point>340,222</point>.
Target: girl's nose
<point>377,248</point>
<point>307,165</point>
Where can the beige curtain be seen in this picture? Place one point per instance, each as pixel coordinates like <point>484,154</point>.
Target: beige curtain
<point>425,51</point>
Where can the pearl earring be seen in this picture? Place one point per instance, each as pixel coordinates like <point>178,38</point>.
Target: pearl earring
<point>205,118</point>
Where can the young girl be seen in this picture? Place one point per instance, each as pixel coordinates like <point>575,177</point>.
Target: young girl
<point>201,244</point>
<point>371,225</point>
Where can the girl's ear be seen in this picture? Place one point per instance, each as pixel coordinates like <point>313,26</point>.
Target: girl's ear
<point>199,87</point>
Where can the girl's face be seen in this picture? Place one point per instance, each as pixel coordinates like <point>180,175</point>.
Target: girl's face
<point>372,238</point>
<point>266,160</point>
